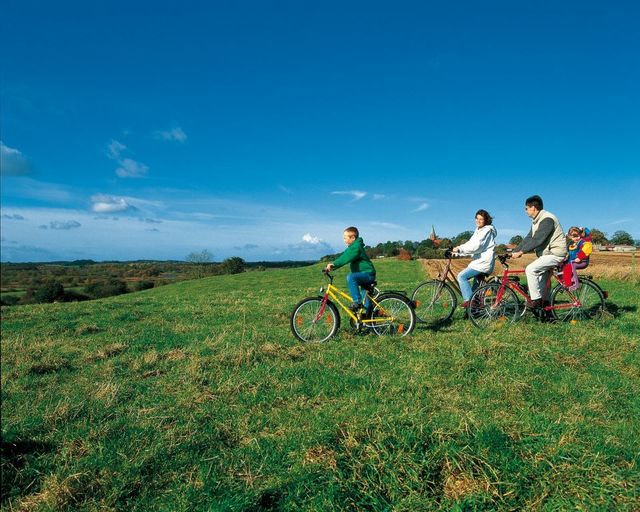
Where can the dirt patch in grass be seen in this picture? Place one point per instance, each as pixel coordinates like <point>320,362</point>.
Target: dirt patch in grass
<point>458,484</point>
<point>320,455</point>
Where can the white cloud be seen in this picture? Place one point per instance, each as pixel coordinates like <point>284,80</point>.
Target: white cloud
<point>175,134</point>
<point>13,162</point>
<point>311,239</point>
<point>357,194</point>
<point>422,207</point>
<point>103,203</point>
<point>131,169</point>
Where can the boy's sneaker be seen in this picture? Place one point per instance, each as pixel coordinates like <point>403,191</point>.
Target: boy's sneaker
<point>355,307</point>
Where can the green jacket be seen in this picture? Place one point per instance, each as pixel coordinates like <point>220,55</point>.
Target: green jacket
<point>355,255</point>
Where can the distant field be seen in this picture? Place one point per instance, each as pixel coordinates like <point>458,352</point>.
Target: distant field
<point>195,396</point>
<point>602,265</point>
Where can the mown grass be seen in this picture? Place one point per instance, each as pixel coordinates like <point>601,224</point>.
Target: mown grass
<point>196,396</point>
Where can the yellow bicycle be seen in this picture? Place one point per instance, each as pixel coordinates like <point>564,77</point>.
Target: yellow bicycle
<point>316,319</point>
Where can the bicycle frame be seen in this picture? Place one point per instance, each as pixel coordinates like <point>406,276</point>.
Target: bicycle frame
<point>337,296</point>
<point>446,275</point>
<point>514,286</point>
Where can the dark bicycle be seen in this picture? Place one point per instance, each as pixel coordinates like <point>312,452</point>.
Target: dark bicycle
<point>436,299</point>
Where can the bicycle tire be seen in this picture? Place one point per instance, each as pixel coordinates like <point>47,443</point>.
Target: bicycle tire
<point>591,299</point>
<point>602,292</point>
<point>483,310</point>
<point>435,302</point>
<point>310,327</point>
<point>398,318</point>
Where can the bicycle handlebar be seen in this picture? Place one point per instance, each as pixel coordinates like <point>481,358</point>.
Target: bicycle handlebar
<point>328,274</point>
<point>449,254</point>
<point>503,258</point>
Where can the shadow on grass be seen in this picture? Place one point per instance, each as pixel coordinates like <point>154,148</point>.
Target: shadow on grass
<point>16,456</point>
<point>436,326</point>
<point>617,311</point>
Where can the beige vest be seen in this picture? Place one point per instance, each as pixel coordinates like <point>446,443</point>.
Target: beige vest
<point>558,242</point>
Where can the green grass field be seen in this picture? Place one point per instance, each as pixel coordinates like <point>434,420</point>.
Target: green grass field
<point>196,396</point>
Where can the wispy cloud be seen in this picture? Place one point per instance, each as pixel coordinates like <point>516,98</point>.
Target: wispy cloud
<point>286,190</point>
<point>15,216</point>
<point>421,207</point>
<point>620,221</point>
<point>62,225</point>
<point>129,168</point>
<point>386,225</point>
<point>246,247</point>
<point>115,149</point>
<point>103,203</point>
<point>175,134</point>
<point>13,162</point>
<point>25,187</point>
<point>24,252</point>
<point>356,194</point>
<point>377,197</point>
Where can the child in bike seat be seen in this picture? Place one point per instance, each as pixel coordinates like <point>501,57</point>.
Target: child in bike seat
<point>580,247</point>
<point>362,274</point>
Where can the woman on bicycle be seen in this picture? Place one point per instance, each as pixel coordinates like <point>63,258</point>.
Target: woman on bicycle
<point>481,247</point>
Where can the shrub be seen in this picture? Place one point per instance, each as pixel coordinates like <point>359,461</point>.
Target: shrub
<point>106,288</point>
<point>234,265</point>
<point>143,285</point>
<point>9,300</point>
<point>49,292</point>
<point>73,296</point>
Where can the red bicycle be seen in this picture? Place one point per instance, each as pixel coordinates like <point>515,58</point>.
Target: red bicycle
<point>503,300</point>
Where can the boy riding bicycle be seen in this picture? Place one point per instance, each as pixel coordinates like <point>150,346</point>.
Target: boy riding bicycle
<point>363,273</point>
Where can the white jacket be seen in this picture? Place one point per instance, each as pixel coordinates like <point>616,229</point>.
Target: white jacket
<point>482,246</point>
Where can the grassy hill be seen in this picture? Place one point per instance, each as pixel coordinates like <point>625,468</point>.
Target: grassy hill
<point>196,396</point>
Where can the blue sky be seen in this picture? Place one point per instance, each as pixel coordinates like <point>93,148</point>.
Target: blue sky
<point>261,129</point>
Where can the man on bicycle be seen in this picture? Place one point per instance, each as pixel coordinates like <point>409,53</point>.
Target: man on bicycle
<point>547,239</point>
<point>362,273</point>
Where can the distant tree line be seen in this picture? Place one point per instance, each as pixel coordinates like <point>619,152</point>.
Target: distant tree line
<point>429,250</point>
<point>31,283</point>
